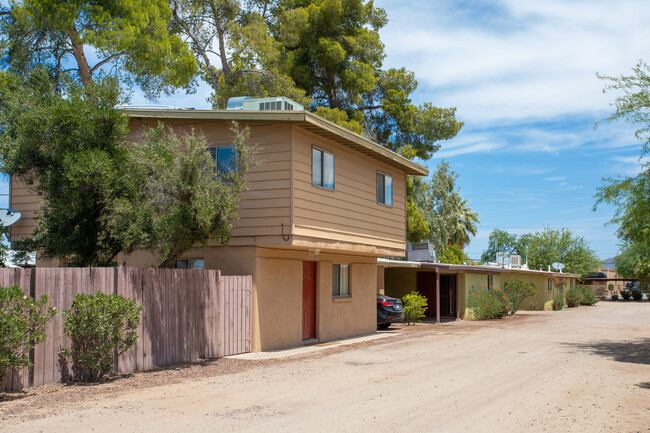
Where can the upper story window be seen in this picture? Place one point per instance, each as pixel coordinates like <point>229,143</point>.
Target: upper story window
<point>340,280</point>
<point>322,168</point>
<point>384,189</point>
<point>225,157</point>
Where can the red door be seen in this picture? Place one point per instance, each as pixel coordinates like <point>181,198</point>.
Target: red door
<point>308,300</point>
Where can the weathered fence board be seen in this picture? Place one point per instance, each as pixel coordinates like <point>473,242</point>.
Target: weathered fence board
<point>187,315</point>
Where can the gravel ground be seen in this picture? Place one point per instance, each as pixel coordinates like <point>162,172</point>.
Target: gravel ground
<point>581,370</point>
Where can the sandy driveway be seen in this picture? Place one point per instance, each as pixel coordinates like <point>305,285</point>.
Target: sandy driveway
<point>582,370</point>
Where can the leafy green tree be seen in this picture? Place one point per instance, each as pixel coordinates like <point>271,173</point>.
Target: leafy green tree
<point>500,241</point>
<point>450,219</point>
<point>561,245</point>
<point>642,272</point>
<point>130,37</point>
<point>417,229</point>
<point>180,201</point>
<point>233,46</point>
<point>453,255</point>
<point>630,256</point>
<point>631,195</point>
<point>67,149</point>
<point>333,51</point>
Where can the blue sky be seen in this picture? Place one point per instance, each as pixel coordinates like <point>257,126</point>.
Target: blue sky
<point>522,75</point>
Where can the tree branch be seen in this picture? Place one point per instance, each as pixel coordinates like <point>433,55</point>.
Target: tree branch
<point>106,60</point>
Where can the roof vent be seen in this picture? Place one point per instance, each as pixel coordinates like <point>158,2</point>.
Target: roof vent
<point>278,103</point>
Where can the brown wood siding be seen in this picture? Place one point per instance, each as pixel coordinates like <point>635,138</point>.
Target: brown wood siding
<point>267,203</point>
<point>24,200</point>
<point>350,212</point>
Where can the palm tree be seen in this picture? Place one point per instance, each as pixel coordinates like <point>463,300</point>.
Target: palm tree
<point>463,222</point>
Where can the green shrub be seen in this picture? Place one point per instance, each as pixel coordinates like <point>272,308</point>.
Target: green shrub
<point>588,296</point>
<point>614,296</point>
<point>573,297</point>
<point>517,290</point>
<point>22,326</point>
<point>558,302</point>
<point>414,307</point>
<point>488,304</point>
<point>99,325</point>
<point>625,294</point>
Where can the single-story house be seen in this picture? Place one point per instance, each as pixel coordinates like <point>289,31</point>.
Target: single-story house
<point>448,287</point>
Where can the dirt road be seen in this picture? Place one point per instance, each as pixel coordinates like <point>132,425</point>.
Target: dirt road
<point>582,370</point>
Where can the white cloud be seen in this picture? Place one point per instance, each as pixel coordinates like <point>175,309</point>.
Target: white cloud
<point>554,179</point>
<point>536,59</point>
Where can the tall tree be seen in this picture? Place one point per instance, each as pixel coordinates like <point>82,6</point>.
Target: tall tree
<point>448,216</point>
<point>561,245</point>
<point>67,149</point>
<point>333,51</point>
<point>129,37</point>
<point>234,48</point>
<point>630,255</point>
<point>500,241</point>
<point>631,195</point>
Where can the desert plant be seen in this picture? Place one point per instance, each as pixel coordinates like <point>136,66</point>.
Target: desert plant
<point>588,295</point>
<point>488,304</point>
<point>558,302</point>
<point>99,327</point>
<point>517,290</point>
<point>573,297</point>
<point>22,326</point>
<point>614,296</point>
<point>414,307</point>
<point>626,295</point>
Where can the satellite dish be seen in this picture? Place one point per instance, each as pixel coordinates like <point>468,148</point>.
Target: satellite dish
<point>557,265</point>
<point>9,217</point>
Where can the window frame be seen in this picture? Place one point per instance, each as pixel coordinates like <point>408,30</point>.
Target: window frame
<point>490,281</point>
<point>381,173</point>
<point>550,285</point>
<point>188,260</point>
<point>215,158</point>
<point>323,152</point>
<point>336,285</point>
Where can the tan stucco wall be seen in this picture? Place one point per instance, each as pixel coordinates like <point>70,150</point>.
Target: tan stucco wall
<point>400,281</point>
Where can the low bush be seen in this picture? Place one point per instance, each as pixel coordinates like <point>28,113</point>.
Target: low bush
<point>573,297</point>
<point>99,326</point>
<point>489,304</point>
<point>588,296</point>
<point>517,290</point>
<point>637,294</point>
<point>558,302</point>
<point>614,296</point>
<point>22,326</point>
<point>414,307</point>
<point>601,292</point>
<point>626,295</point>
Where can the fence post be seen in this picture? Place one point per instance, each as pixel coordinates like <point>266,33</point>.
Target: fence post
<point>220,328</point>
<point>32,293</point>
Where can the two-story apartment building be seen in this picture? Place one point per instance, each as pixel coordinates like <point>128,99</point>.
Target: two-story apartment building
<point>322,205</point>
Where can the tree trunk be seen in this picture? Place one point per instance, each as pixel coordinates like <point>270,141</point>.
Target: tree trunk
<point>85,73</point>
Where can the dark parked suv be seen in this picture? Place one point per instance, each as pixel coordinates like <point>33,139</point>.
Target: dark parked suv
<point>389,310</point>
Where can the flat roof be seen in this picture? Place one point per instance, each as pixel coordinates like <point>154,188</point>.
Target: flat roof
<point>303,119</point>
<point>478,269</point>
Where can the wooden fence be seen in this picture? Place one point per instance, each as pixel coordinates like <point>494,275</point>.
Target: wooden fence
<point>187,315</point>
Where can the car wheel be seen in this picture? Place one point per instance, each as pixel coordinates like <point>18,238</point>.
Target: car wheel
<point>383,326</point>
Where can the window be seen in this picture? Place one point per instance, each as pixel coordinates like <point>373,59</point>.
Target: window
<point>384,189</point>
<point>490,281</point>
<point>571,283</point>
<point>340,280</point>
<point>225,157</point>
<point>190,264</point>
<point>550,287</point>
<point>322,168</point>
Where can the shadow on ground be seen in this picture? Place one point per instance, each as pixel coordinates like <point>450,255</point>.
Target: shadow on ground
<point>644,385</point>
<point>633,351</point>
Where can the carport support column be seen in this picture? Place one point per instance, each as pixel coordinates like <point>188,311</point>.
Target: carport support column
<point>458,296</point>
<point>437,296</point>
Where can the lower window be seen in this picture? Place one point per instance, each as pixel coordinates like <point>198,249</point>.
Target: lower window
<point>190,264</point>
<point>340,280</point>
